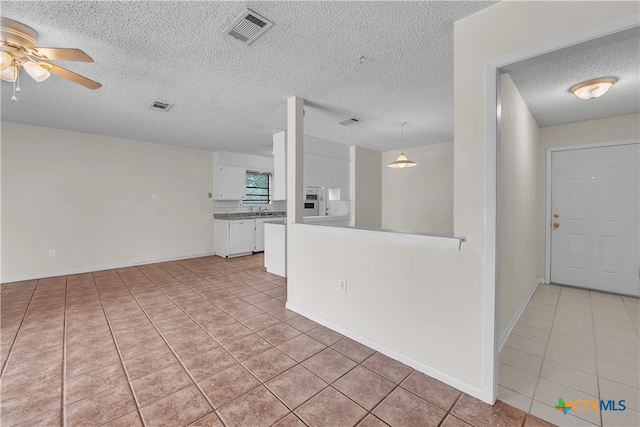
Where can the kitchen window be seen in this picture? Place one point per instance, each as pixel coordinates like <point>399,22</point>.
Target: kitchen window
<point>258,188</point>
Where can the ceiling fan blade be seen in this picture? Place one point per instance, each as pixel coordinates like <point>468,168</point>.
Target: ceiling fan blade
<point>70,75</point>
<point>60,54</point>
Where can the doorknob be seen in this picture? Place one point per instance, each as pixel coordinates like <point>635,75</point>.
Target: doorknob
<point>556,215</point>
<point>556,224</point>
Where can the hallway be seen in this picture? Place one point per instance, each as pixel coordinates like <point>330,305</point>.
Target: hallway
<point>574,344</point>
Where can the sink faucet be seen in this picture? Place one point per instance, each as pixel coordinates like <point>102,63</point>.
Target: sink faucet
<point>262,211</point>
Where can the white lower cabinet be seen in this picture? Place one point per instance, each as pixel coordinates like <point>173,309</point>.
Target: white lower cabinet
<point>275,251</point>
<point>235,237</point>
<point>241,236</point>
<point>259,245</point>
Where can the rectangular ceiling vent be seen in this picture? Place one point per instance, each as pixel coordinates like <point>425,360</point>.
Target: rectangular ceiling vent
<point>160,106</point>
<point>350,121</point>
<point>248,26</point>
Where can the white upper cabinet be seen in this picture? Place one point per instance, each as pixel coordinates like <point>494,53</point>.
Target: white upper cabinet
<point>230,173</point>
<point>229,182</point>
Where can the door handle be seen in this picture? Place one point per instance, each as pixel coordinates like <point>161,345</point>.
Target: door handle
<point>556,224</point>
<point>556,215</point>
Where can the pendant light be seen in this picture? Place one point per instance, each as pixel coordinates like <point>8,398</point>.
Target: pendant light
<point>402,161</point>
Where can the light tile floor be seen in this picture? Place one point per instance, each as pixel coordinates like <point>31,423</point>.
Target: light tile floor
<point>574,344</point>
<point>203,342</point>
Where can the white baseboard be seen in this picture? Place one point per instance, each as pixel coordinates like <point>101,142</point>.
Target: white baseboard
<point>516,317</point>
<point>97,268</point>
<point>415,364</point>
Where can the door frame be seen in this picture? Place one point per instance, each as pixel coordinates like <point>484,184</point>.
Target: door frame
<point>492,120</point>
<point>547,211</point>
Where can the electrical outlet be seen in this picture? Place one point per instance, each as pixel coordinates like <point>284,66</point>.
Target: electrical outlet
<point>52,252</point>
<point>342,285</point>
<point>210,195</point>
<point>154,196</point>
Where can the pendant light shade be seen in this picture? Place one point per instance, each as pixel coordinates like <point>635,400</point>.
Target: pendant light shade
<point>9,74</point>
<point>36,72</point>
<point>402,161</point>
<point>5,60</point>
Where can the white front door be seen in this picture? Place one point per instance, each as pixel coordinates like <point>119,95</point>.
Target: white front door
<point>594,218</point>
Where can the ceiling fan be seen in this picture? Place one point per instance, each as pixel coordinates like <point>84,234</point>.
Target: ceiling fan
<point>18,50</point>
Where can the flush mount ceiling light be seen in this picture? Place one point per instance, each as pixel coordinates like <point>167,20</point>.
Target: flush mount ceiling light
<point>402,161</point>
<point>18,50</point>
<point>593,89</point>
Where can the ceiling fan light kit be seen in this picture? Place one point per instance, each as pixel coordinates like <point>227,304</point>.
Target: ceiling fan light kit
<point>36,72</point>
<point>9,74</point>
<point>5,60</point>
<point>18,50</point>
<point>402,161</point>
<point>593,89</point>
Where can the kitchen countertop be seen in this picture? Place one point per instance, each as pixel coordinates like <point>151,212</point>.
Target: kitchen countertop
<point>248,215</point>
<point>274,222</point>
<point>326,218</point>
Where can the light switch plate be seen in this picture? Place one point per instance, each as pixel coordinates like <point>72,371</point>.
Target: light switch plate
<point>342,285</point>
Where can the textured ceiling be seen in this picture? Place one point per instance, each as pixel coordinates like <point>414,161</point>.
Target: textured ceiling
<point>229,96</point>
<point>233,97</point>
<point>545,86</point>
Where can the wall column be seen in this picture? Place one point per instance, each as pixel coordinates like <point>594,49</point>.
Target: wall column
<point>295,159</point>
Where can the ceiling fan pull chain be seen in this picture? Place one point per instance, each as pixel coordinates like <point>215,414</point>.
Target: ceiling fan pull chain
<point>13,98</point>
<point>18,78</point>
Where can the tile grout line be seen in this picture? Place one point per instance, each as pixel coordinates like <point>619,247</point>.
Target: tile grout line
<point>593,325</point>
<point>298,363</point>
<point>544,356</point>
<point>15,339</point>
<point>595,350</point>
<point>113,338</point>
<point>63,412</point>
<point>392,390</point>
<point>280,322</point>
<point>594,345</point>
<point>331,385</point>
<point>182,364</point>
<point>241,363</point>
<point>221,345</point>
<point>453,405</point>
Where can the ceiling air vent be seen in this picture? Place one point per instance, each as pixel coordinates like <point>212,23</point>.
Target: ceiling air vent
<point>160,106</point>
<point>350,121</point>
<point>248,26</point>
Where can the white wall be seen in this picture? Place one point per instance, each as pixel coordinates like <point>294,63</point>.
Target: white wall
<point>419,199</point>
<point>90,198</point>
<point>366,180</point>
<point>427,303</point>
<point>326,164</point>
<point>620,128</point>
<point>517,215</point>
<point>502,29</point>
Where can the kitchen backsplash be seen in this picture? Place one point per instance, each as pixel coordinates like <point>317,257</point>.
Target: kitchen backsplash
<point>235,206</point>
